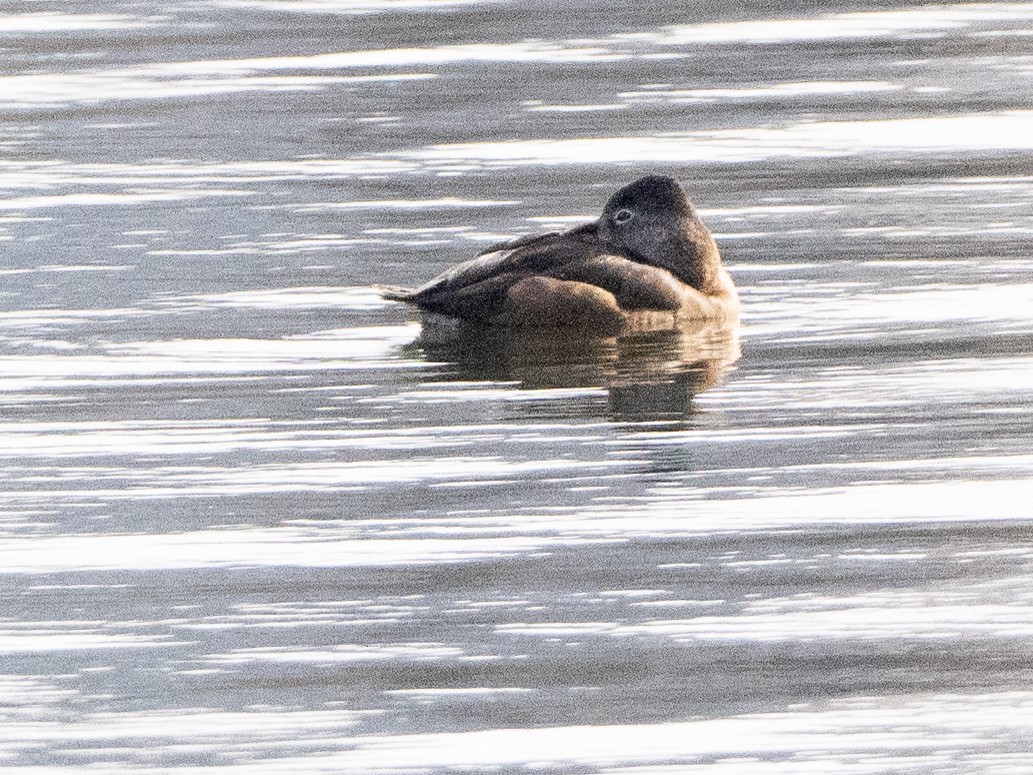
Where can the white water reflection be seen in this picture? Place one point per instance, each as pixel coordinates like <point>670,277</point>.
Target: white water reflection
<point>47,174</point>
<point>952,19</point>
<point>858,736</point>
<point>170,80</point>
<point>976,132</point>
<point>858,312</point>
<point>675,513</point>
<point>778,91</point>
<point>348,349</point>
<point>361,298</point>
<point>273,548</point>
<point>21,23</point>
<point>347,6</point>
<point>49,91</point>
<point>409,204</point>
<point>119,200</point>
<point>41,637</point>
<point>422,651</point>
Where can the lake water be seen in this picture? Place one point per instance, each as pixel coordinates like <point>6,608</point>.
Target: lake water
<point>250,523</point>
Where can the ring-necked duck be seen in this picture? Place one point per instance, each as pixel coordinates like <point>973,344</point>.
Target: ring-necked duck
<point>648,262</point>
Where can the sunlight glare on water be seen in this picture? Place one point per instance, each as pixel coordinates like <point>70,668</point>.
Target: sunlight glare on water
<point>1009,130</point>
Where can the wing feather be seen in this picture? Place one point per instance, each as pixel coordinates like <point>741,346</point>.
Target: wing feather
<point>480,284</point>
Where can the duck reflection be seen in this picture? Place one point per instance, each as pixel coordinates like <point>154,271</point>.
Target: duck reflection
<point>648,375</point>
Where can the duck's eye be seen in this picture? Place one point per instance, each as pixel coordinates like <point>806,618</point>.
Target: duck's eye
<point>623,216</point>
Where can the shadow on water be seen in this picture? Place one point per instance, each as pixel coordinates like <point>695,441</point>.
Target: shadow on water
<point>648,376</point>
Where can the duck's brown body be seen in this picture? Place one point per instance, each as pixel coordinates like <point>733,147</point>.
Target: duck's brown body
<point>648,269</point>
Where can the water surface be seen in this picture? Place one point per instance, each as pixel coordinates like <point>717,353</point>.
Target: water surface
<point>251,522</point>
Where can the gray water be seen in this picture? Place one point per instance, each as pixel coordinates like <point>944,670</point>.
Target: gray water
<point>250,522</point>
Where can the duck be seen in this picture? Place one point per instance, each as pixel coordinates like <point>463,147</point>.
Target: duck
<point>647,263</point>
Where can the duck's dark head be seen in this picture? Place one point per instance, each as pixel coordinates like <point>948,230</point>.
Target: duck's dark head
<point>652,221</point>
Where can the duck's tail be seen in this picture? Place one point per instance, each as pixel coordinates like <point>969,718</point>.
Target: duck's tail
<point>395,292</point>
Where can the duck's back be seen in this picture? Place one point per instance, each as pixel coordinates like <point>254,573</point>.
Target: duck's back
<point>477,290</point>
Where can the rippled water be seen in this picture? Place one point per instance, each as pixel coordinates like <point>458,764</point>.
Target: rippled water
<point>251,521</point>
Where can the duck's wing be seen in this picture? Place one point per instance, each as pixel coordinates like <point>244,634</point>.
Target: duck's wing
<point>476,289</point>
<point>638,287</point>
<point>634,286</point>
